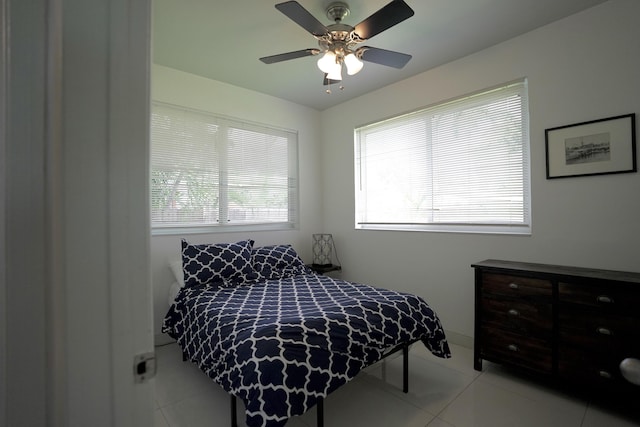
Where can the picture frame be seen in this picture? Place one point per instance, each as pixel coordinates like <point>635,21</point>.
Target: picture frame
<point>597,147</point>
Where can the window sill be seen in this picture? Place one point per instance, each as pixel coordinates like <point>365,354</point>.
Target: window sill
<point>518,230</point>
<point>212,229</point>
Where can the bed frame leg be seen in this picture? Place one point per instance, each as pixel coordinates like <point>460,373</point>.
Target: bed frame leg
<point>405,368</point>
<point>234,413</point>
<point>320,413</point>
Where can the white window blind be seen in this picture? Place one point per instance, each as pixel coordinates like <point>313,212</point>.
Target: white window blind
<point>210,171</point>
<point>459,166</point>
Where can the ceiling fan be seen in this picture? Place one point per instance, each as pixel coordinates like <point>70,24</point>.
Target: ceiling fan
<point>340,43</point>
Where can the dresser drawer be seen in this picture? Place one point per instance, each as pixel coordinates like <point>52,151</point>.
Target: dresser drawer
<point>605,296</point>
<point>520,350</point>
<point>515,286</point>
<point>601,370</point>
<point>595,331</point>
<point>518,316</point>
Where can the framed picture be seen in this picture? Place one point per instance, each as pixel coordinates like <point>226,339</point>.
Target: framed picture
<point>597,147</point>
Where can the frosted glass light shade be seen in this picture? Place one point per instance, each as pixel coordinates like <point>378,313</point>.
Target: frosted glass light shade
<point>335,73</point>
<point>328,62</point>
<point>353,63</point>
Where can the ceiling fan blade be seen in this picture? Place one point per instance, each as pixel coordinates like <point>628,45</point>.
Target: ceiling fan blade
<point>302,17</point>
<point>289,55</point>
<point>385,18</point>
<point>383,57</point>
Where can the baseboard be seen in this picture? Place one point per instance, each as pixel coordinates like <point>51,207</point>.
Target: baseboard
<point>459,339</point>
<point>162,339</point>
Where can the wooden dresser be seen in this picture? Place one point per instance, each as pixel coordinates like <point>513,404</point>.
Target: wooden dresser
<point>572,324</point>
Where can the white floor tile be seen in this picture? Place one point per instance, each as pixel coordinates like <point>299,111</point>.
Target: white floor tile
<point>437,422</point>
<point>442,393</point>
<point>159,420</point>
<point>483,404</point>
<point>359,404</point>
<point>598,416</point>
<point>432,386</point>
<point>461,358</point>
<point>204,410</point>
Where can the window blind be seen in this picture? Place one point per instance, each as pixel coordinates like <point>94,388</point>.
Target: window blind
<point>459,166</point>
<point>216,171</point>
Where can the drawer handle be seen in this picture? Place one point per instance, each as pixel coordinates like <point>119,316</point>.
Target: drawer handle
<point>605,299</point>
<point>605,374</point>
<point>513,347</point>
<point>604,331</point>
<point>514,312</point>
<point>513,285</point>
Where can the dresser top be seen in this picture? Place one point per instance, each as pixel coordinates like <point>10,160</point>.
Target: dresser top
<point>558,270</point>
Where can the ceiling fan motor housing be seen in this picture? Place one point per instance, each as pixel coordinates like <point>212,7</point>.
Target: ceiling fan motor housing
<point>337,11</point>
<point>338,39</point>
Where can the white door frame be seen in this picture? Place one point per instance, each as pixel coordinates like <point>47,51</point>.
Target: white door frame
<point>75,292</point>
<point>3,275</point>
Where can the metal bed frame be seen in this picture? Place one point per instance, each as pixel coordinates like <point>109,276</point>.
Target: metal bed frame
<point>320,405</point>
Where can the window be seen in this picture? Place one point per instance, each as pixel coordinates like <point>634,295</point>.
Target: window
<point>213,172</point>
<point>459,166</point>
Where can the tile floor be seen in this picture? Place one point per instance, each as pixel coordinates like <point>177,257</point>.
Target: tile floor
<point>442,393</point>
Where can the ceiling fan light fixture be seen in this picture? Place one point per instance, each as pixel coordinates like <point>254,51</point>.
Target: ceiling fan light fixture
<point>335,73</point>
<point>328,62</point>
<point>353,64</point>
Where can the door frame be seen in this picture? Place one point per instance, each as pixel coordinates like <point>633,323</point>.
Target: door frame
<point>75,290</point>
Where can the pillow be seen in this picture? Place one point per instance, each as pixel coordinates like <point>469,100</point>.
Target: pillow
<point>277,261</point>
<point>178,272</point>
<point>173,293</point>
<point>222,264</point>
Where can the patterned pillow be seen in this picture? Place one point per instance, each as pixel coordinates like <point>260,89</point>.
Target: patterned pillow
<point>220,264</point>
<point>277,261</point>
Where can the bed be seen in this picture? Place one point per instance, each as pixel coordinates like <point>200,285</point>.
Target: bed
<point>281,338</point>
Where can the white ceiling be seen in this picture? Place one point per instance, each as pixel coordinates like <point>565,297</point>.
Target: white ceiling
<point>223,39</point>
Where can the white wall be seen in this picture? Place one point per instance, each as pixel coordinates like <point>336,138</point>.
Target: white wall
<point>176,87</point>
<point>581,68</point>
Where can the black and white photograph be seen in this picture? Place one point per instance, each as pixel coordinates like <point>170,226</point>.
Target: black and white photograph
<point>597,147</point>
<point>588,149</point>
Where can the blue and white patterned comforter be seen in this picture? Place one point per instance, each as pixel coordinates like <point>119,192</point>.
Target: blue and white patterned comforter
<point>280,345</point>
